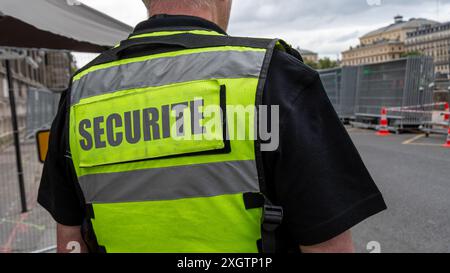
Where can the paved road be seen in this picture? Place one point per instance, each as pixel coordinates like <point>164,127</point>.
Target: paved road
<point>415,181</point>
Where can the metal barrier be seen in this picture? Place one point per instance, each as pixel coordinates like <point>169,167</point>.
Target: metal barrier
<point>26,106</point>
<point>34,230</point>
<point>359,92</point>
<point>331,80</point>
<point>42,106</point>
<point>397,83</point>
<point>348,92</point>
<point>340,85</point>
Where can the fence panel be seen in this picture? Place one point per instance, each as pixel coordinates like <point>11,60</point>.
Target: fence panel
<point>340,85</point>
<point>418,90</point>
<point>399,83</point>
<point>348,92</point>
<point>359,92</point>
<point>380,85</point>
<point>331,80</point>
<point>42,106</point>
<point>35,229</point>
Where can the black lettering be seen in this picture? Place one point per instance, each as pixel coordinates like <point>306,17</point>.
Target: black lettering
<point>114,121</point>
<point>86,143</point>
<point>179,116</point>
<point>98,132</point>
<point>133,128</point>
<point>165,116</point>
<point>150,124</point>
<point>196,116</point>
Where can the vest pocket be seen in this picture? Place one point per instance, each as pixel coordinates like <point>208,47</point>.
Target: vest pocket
<point>151,123</point>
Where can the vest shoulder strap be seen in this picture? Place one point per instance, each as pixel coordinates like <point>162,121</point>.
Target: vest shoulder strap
<point>182,41</point>
<point>192,41</point>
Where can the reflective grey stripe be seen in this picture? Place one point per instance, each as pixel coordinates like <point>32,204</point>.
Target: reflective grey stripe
<point>167,70</point>
<point>171,183</point>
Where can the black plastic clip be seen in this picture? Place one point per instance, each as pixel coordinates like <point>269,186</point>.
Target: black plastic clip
<point>272,217</point>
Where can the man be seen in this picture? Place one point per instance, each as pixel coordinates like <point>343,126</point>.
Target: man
<point>111,191</point>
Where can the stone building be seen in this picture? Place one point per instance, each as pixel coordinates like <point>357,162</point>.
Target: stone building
<point>309,55</point>
<point>434,41</point>
<point>384,44</point>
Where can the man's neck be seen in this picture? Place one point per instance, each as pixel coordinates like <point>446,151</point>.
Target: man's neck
<point>204,14</point>
<point>173,21</point>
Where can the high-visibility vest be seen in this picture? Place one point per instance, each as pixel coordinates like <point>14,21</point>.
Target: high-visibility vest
<point>147,191</point>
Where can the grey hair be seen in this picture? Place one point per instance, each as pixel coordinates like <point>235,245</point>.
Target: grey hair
<point>193,3</point>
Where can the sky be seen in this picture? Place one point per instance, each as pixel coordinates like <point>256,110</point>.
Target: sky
<point>324,26</point>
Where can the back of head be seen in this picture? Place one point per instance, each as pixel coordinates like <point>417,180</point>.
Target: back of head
<point>217,11</point>
<point>180,3</point>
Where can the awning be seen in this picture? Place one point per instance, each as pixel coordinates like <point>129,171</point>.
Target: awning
<point>58,24</point>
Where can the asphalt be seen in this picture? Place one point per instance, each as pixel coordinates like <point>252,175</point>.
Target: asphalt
<point>413,174</point>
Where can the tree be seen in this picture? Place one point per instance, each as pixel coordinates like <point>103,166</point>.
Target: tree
<point>312,64</point>
<point>323,63</point>
<point>326,63</point>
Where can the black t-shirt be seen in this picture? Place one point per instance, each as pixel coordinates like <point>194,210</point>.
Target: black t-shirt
<point>316,174</point>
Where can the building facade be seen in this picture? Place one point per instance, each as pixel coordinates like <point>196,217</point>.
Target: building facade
<point>384,44</point>
<point>432,41</point>
<point>51,69</point>
<point>308,55</point>
<point>381,51</point>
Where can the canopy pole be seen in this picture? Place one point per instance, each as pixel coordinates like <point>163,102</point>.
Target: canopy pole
<point>12,102</point>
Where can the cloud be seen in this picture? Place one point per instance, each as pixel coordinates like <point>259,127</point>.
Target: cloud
<point>325,26</point>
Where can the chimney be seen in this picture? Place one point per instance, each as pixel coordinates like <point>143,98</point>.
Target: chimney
<point>398,19</point>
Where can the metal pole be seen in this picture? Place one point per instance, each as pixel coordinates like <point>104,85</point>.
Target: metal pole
<point>12,102</point>
<point>421,100</point>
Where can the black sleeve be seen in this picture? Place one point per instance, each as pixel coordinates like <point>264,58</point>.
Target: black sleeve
<point>316,174</point>
<point>58,192</point>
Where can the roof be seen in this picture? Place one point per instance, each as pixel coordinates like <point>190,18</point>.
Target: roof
<point>306,52</point>
<point>58,24</point>
<point>401,25</point>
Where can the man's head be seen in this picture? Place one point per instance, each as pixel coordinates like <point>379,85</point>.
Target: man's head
<point>217,11</point>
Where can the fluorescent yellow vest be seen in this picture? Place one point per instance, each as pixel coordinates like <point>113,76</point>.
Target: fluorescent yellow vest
<point>148,191</point>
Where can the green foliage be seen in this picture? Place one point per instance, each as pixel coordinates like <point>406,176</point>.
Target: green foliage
<point>326,63</point>
<point>312,64</point>
<point>323,63</point>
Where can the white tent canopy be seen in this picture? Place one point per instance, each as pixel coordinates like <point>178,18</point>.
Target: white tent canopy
<point>58,24</point>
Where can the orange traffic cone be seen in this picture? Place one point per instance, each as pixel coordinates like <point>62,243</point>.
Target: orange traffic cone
<point>383,129</point>
<point>447,143</point>
<point>446,114</point>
